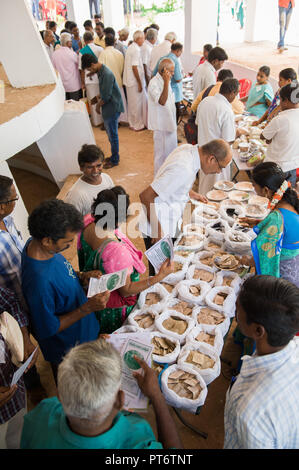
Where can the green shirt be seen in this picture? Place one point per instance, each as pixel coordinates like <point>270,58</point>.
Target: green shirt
<point>46,427</point>
<point>110,93</point>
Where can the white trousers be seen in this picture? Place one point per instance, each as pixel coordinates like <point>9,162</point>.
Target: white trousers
<point>164,143</point>
<point>11,431</point>
<point>137,108</point>
<point>206,182</point>
<point>124,116</point>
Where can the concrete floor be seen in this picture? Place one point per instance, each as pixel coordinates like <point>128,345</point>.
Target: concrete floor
<point>134,173</point>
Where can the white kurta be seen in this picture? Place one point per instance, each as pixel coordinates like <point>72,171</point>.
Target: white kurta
<point>203,77</point>
<point>162,120</point>
<point>137,102</point>
<point>159,51</point>
<point>215,120</point>
<point>146,50</point>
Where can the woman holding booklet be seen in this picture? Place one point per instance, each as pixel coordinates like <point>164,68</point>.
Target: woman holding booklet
<point>101,245</point>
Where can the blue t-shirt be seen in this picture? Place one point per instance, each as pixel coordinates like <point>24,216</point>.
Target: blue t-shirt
<point>52,288</point>
<point>46,427</point>
<point>177,87</point>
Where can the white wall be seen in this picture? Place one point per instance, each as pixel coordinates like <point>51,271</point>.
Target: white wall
<point>114,14</point>
<point>78,11</point>
<point>22,51</point>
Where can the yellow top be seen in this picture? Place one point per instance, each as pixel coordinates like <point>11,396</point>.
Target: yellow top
<point>237,105</point>
<point>99,42</point>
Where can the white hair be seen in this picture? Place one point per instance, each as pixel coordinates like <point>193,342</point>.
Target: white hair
<point>138,34</point>
<point>65,38</point>
<point>165,63</point>
<point>89,379</point>
<point>124,31</point>
<point>151,34</point>
<point>170,36</point>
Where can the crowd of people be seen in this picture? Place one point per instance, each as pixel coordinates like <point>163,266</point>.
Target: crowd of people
<point>41,290</point>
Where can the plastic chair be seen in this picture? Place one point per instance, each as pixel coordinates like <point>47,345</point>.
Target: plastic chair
<point>245,85</point>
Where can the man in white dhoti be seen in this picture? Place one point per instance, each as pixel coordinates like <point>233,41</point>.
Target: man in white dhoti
<point>146,49</point>
<point>162,113</point>
<point>215,120</point>
<point>134,81</point>
<point>90,83</point>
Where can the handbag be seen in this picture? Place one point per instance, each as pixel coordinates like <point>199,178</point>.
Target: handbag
<point>12,334</point>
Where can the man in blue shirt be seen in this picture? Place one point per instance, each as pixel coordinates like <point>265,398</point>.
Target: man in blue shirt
<point>60,312</point>
<point>88,413</point>
<point>110,104</point>
<point>176,80</point>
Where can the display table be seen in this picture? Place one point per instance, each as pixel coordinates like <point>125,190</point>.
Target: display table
<point>240,166</point>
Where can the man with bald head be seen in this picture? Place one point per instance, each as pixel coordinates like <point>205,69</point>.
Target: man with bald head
<point>162,113</point>
<point>164,201</point>
<point>49,40</point>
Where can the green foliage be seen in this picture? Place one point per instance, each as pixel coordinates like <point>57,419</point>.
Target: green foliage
<point>168,7</point>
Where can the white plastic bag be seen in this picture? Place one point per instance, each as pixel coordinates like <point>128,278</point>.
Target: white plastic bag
<point>191,270</point>
<point>240,211</point>
<point>187,255</point>
<point>174,278</point>
<point>235,283</point>
<point>237,247</point>
<point>202,255</point>
<point>179,402</point>
<point>195,247</point>
<point>229,304</point>
<point>126,328</point>
<point>223,327</point>
<point>172,302</point>
<point>210,329</point>
<point>215,234</point>
<point>143,311</point>
<point>158,289</point>
<point>185,294</point>
<point>173,313</point>
<point>168,358</point>
<point>215,243</point>
<point>239,228</point>
<point>209,374</point>
<point>204,214</point>
<point>194,228</point>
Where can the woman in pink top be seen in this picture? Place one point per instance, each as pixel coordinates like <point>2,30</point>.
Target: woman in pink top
<point>101,245</point>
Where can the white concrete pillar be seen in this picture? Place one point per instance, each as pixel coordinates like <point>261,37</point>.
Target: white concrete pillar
<point>23,55</point>
<point>78,11</point>
<point>200,29</point>
<point>262,23</point>
<point>19,213</point>
<point>113,13</point>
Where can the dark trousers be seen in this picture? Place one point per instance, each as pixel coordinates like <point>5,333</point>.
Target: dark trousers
<point>32,379</point>
<point>148,243</point>
<point>111,126</point>
<point>74,95</point>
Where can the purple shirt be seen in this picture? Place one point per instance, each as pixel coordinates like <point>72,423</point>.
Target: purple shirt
<point>66,62</point>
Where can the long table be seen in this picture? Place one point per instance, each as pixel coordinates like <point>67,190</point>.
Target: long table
<point>241,166</point>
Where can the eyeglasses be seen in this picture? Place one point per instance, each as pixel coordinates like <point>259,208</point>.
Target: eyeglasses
<point>220,167</point>
<point>10,200</point>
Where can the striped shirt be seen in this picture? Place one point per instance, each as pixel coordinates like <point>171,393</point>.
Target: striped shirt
<point>9,303</point>
<point>262,407</point>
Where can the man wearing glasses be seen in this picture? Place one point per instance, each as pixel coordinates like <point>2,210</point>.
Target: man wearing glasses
<point>215,120</point>
<point>11,247</point>
<point>165,199</point>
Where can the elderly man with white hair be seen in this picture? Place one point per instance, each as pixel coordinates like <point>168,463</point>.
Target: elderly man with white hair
<point>134,81</point>
<point>150,40</point>
<point>49,40</point>
<point>162,49</point>
<point>88,412</point>
<point>66,62</point>
<point>162,113</point>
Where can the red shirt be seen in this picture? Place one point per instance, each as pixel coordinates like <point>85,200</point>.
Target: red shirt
<point>285,3</point>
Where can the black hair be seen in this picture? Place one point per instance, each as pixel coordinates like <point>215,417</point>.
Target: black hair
<point>68,25</point>
<point>87,36</point>
<point>87,23</point>
<point>53,218</point>
<point>146,29</point>
<point>109,40</point>
<point>265,69</point>
<point>176,46</point>
<point>87,60</point>
<point>90,153</point>
<point>207,47</point>
<point>217,148</point>
<point>270,175</point>
<point>217,53</point>
<point>290,92</point>
<point>109,30</point>
<point>224,74</point>
<point>288,74</point>
<point>110,217</point>
<point>97,15</point>
<point>154,26</point>
<point>5,187</point>
<point>230,85</point>
<point>52,24</point>
<point>65,31</point>
<point>101,24</point>
<point>273,303</point>
<point>72,26</point>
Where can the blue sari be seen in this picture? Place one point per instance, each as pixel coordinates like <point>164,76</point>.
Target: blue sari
<point>259,94</point>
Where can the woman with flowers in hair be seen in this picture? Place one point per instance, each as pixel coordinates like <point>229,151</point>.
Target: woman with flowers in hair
<point>276,248</point>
